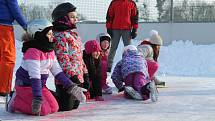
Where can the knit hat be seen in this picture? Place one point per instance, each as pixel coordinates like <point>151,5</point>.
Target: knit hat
<point>62,10</point>
<point>92,46</point>
<point>130,47</point>
<point>155,38</point>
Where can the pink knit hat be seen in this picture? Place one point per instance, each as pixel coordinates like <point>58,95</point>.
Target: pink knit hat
<point>92,46</point>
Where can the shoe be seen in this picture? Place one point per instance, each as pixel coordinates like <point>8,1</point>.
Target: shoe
<point>130,92</point>
<point>107,90</point>
<point>10,103</point>
<point>153,91</point>
<point>159,82</point>
<point>99,98</point>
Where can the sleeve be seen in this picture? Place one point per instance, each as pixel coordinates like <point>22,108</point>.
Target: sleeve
<point>117,76</point>
<point>62,53</point>
<point>32,62</point>
<point>134,16</point>
<point>55,69</point>
<point>16,12</point>
<point>110,16</point>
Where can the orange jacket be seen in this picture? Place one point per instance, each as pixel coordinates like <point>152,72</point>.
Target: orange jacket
<point>122,14</point>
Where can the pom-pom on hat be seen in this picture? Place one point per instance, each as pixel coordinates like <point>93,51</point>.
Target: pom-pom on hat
<point>92,46</point>
<point>155,38</point>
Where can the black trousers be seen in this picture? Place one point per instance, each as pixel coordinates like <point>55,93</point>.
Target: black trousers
<point>65,101</point>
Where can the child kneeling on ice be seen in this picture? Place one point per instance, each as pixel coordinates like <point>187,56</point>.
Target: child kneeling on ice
<point>31,95</point>
<point>132,70</point>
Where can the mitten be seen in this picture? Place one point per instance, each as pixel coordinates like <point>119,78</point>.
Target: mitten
<point>110,32</point>
<point>86,83</point>
<point>77,92</point>
<point>134,33</point>
<point>36,105</point>
<point>75,79</point>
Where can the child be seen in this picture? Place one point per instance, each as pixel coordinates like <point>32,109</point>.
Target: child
<point>68,45</point>
<point>91,56</point>
<point>132,70</point>
<point>149,49</point>
<point>31,95</point>
<point>104,40</point>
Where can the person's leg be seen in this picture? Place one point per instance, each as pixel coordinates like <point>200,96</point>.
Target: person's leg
<point>139,81</point>
<point>114,45</point>
<point>7,58</point>
<point>126,37</point>
<point>66,101</point>
<point>152,68</point>
<point>129,91</point>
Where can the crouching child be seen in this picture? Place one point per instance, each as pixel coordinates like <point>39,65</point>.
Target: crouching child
<point>132,71</point>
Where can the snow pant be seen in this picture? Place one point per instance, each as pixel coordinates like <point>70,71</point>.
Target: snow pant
<point>65,101</point>
<point>7,58</point>
<point>152,68</point>
<point>95,88</point>
<point>22,101</point>
<point>117,34</point>
<point>104,74</point>
<point>139,83</point>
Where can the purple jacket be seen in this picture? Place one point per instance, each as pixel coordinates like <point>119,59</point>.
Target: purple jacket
<point>10,11</point>
<point>131,62</point>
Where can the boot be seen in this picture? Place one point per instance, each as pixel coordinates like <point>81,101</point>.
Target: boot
<point>132,93</point>
<point>99,98</point>
<point>153,91</point>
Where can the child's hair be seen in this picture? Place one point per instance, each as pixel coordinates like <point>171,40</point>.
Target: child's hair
<point>92,46</point>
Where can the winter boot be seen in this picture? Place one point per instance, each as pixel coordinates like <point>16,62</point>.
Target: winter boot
<point>153,91</point>
<point>99,98</point>
<point>107,90</point>
<point>129,91</point>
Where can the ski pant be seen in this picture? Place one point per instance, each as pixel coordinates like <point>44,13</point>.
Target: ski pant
<point>7,58</point>
<point>152,68</point>
<point>65,101</point>
<point>139,83</point>
<point>21,101</point>
<point>117,34</point>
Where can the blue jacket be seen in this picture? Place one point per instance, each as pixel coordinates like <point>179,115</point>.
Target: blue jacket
<point>10,11</point>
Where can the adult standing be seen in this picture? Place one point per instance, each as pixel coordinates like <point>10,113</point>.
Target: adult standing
<point>121,21</point>
<point>10,11</point>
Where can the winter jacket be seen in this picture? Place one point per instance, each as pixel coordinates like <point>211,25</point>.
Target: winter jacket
<point>146,51</point>
<point>34,71</point>
<point>94,69</point>
<point>122,14</point>
<point>10,11</point>
<point>69,54</point>
<point>131,62</point>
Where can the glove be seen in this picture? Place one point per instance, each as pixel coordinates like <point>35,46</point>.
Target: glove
<point>77,92</point>
<point>134,33</point>
<point>36,105</point>
<point>110,32</point>
<point>86,83</point>
<point>75,79</point>
<point>121,89</point>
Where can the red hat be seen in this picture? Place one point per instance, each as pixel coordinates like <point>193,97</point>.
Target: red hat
<point>92,46</point>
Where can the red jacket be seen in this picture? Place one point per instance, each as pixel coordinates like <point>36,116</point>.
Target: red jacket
<point>122,14</point>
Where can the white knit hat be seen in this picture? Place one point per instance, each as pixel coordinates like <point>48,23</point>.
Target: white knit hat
<point>130,47</point>
<point>155,38</point>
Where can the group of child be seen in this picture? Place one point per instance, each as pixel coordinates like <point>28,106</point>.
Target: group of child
<point>80,75</point>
